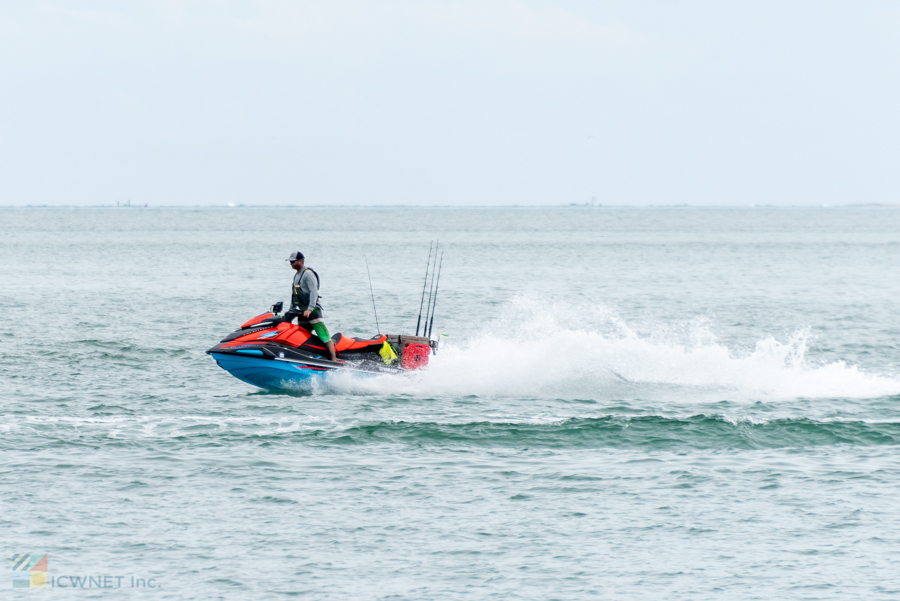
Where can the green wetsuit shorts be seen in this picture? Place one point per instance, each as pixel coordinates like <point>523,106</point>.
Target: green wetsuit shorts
<point>316,324</point>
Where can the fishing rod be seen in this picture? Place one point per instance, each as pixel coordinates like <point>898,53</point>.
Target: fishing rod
<point>434,304</point>
<point>431,286</point>
<point>424,285</point>
<point>373,295</point>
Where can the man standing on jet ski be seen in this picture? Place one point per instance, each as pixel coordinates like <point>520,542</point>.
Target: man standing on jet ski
<point>305,302</point>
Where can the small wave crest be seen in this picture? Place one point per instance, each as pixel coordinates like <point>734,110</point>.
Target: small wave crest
<point>650,432</point>
<point>528,352</point>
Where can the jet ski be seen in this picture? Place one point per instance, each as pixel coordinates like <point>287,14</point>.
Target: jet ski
<point>273,353</point>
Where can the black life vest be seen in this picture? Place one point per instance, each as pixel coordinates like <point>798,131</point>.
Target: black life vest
<point>296,301</point>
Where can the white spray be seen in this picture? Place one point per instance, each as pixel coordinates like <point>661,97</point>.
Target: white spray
<point>527,353</point>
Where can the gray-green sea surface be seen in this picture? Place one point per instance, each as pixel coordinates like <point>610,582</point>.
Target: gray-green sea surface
<point>628,403</point>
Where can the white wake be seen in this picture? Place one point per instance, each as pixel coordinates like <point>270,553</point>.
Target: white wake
<point>528,353</point>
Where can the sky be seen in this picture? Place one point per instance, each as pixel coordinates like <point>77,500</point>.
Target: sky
<point>454,102</point>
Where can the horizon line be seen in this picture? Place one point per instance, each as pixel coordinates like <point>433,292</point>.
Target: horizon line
<point>474,206</point>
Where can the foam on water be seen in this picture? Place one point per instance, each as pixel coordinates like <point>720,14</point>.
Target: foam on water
<point>526,352</point>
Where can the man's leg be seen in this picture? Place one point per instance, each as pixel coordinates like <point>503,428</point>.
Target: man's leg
<point>322,332</point>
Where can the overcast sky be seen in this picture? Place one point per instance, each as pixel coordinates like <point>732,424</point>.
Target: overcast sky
<point>469,102</point>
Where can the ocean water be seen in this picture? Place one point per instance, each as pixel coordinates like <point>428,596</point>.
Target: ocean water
<point>629,403</point>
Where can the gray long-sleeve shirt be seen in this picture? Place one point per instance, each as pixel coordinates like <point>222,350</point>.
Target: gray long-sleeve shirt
<point>305,291</point>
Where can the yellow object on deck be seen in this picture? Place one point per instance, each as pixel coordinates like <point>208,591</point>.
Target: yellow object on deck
<point>387,353</point>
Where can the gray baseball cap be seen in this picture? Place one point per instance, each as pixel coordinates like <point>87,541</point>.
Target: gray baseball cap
<point>296,256</point>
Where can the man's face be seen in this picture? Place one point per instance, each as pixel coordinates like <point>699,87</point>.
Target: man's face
<point>297,265</point>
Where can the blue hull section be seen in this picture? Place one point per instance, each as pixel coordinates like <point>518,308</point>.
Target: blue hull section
<point>268,373</point>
